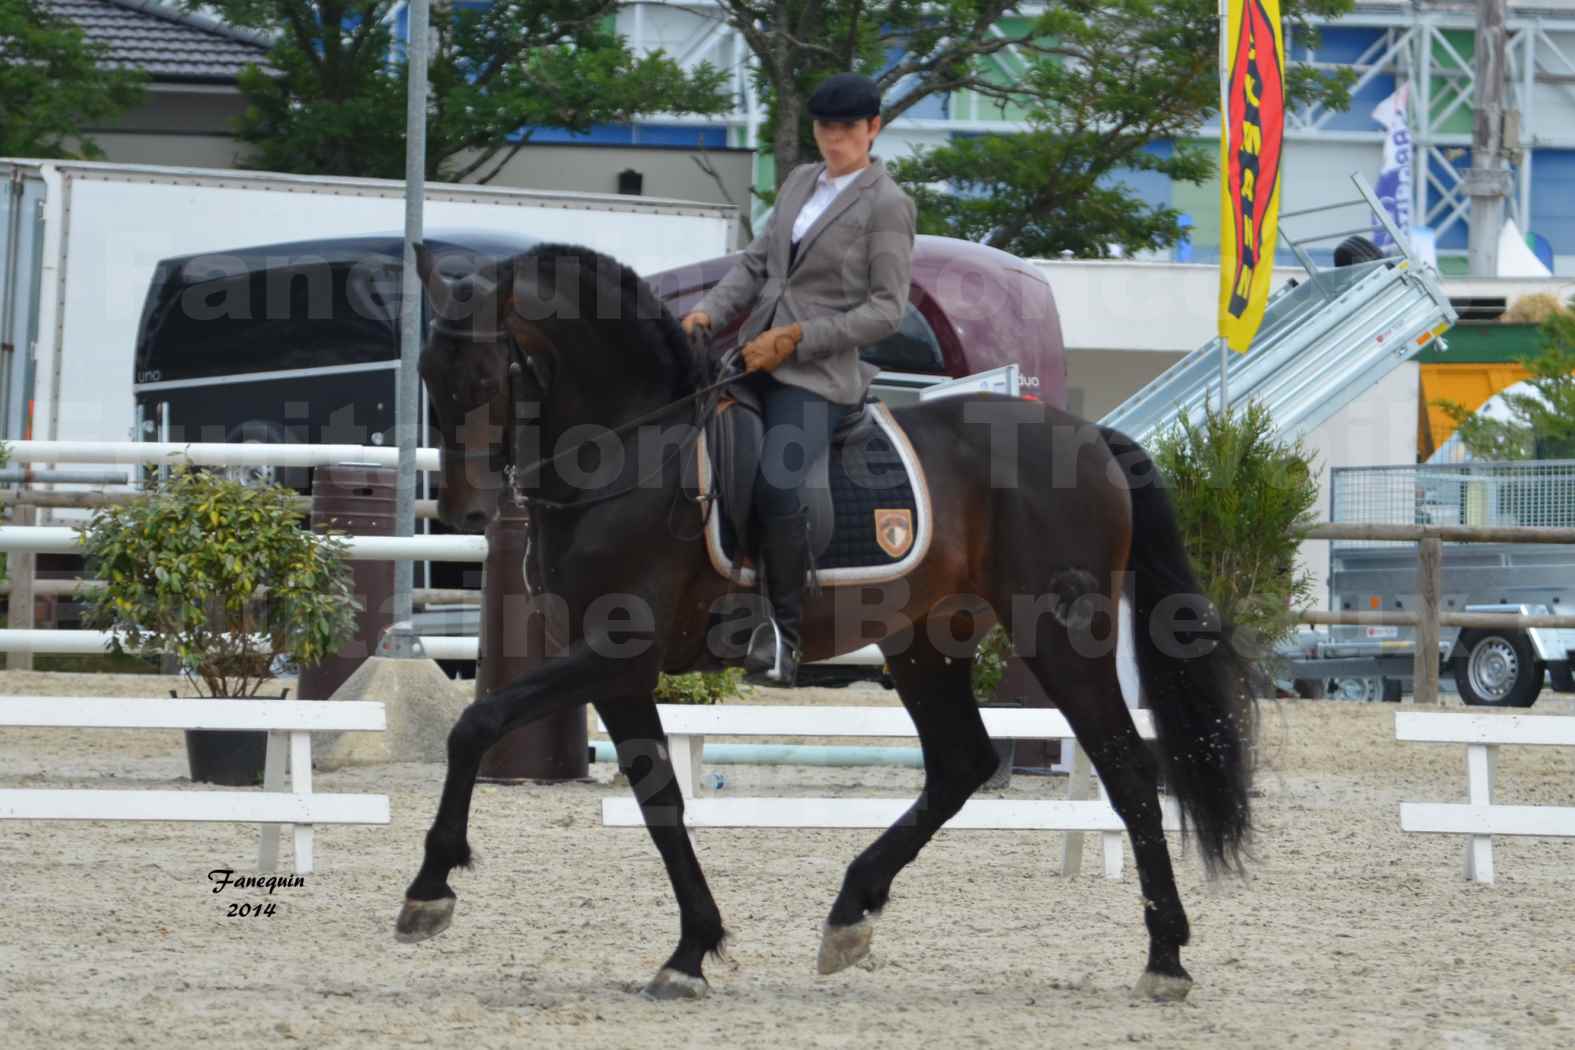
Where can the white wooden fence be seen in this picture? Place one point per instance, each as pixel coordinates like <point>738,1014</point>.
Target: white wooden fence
<point>1479,818</point>
<point>687,727</point>
<point>289,723</point>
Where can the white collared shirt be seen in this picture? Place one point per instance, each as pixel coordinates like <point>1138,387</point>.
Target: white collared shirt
<point>826,190</point>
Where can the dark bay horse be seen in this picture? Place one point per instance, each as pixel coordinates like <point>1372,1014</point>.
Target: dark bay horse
<point>1041,521</point>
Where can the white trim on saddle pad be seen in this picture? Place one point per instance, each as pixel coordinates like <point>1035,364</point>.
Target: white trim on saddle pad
<point>842,577</point>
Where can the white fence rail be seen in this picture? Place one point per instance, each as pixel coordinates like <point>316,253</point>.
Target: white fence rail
<point>687,728</point>
<point>289,724</point>
<point>213,454</point>
<point>1479,818</point>
<point>62,539</point>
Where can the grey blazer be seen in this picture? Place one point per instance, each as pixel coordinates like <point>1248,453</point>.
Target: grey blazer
<point>847,286</point>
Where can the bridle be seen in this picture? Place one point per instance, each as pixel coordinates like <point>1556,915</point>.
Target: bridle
<point>705,401</point>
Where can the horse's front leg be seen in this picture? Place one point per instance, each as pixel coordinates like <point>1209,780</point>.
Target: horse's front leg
<point>636,729</point>
<point>578,677</point>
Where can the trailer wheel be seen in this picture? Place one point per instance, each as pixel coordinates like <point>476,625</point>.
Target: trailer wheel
<point>1497,669</point>
<point>255,432</point>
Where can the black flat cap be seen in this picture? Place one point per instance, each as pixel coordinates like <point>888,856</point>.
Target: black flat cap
<point>846,96</point>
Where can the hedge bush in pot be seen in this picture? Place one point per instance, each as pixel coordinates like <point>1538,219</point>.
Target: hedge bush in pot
<point>221,576</point>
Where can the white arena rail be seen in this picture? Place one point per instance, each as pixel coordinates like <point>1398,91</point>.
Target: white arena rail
<point>63,539</point>
<point>289,723</point>
<point>213,453</point>
<point>1480,818</point>
<point>687,727</point>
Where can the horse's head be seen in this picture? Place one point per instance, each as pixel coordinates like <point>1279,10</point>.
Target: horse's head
<point>503,387</point>
<point>465,363</point>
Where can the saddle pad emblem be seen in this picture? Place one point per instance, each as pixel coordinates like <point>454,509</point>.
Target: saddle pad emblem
<point>894,531</point>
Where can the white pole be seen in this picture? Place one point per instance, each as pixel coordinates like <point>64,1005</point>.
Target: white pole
<point>1225,134</point>
<point>407,410</point>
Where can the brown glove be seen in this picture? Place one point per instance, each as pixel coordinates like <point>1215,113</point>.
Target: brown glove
<point>695,319</point>
<point>771,347</point>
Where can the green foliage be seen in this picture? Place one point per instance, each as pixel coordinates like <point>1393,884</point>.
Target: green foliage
<point>989,663</point>
<point>701,687</point>
<point>336,105</point>
<point>1244,501</point>
<point>1100,79</point>
<point>220,575</point>
<point>53,85</point>
<point>1541,424</point>
<point>1121,75</point>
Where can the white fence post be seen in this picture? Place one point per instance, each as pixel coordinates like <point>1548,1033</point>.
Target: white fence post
<point>1077,788</point>
<point>273,780</point>
<point>1481,764</point>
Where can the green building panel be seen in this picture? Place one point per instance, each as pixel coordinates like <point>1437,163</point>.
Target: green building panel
<point>1490,343</point>
<point>1450,77</point>
<point>1000,68</point>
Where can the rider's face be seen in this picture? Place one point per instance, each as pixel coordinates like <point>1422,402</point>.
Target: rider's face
<point>845,144</point>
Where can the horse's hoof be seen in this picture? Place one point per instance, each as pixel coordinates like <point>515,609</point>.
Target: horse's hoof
<point>670,984</point>
<point>842,946</point>
<point>1162,988</point>
<point>419,920</point>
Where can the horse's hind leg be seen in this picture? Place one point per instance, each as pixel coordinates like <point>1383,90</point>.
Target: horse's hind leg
<point>636,729</point>
<point>937,691</point>
<point>1088,692</point>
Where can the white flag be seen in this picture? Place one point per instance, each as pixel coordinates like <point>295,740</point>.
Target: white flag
<point>1394,176</point>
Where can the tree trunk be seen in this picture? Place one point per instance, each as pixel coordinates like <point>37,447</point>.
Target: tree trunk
<point>785,141</point>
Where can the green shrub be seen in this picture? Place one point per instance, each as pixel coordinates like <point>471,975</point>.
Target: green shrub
<point>989,663</point>
<point>1541,423</point>
<point>220,575</point>
<point>1244,501</point>
<point>701,687</point>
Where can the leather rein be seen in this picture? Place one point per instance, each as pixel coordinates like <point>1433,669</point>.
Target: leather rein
<point>516,475</point>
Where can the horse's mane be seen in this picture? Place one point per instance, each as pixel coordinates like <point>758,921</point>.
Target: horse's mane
<point>644,323</point>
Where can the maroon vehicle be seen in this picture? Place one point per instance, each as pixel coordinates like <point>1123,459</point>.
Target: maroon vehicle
<point>971,309</point>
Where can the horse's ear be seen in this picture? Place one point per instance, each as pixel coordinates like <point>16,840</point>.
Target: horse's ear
<point>436,287</point>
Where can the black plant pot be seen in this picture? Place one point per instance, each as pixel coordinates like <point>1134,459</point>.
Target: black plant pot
<point>231,757</point>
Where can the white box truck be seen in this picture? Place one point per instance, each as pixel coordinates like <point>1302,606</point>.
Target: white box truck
<point>79,244</point>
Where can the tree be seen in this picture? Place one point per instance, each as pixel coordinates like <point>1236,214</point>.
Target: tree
<point>336,103</point>
<point>1163,51</point>
<point>1127,74</point>
<point>1541,423</point>
<point>55,84</point>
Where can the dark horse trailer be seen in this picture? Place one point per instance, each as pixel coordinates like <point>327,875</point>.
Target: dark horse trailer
<point>299,342</point>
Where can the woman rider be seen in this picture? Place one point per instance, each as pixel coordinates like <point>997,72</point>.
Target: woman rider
<point>828,275</point>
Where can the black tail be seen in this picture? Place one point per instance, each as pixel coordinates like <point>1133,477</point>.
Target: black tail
<point>1195,681</point>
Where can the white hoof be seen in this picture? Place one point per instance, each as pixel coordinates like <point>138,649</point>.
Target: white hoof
<point>842,946</point>
<point>1162,987</point>
<point>670,984</point>
<point>419,920</point>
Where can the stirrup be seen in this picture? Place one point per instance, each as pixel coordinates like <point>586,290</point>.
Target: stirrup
<point>769,660</point>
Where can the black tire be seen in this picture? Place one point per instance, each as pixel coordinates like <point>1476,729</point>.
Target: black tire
<point>1310,688</point>
<point>1560,678</point>
<point>1497,669</point>
<point>1355,250</point>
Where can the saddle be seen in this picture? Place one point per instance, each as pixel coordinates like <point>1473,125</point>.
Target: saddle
<point>869,505</point>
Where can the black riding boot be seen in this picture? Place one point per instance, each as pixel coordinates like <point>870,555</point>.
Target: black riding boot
<point>774,646</point>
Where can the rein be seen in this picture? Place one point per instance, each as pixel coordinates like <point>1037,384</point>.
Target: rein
<point>516,474</point>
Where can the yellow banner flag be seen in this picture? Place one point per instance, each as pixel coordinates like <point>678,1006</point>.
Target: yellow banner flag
<point>1252,127</point>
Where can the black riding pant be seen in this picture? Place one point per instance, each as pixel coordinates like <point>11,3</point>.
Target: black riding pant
<point>799,425</point>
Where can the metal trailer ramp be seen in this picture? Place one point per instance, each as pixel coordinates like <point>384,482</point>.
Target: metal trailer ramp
<point>1325,339</point>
